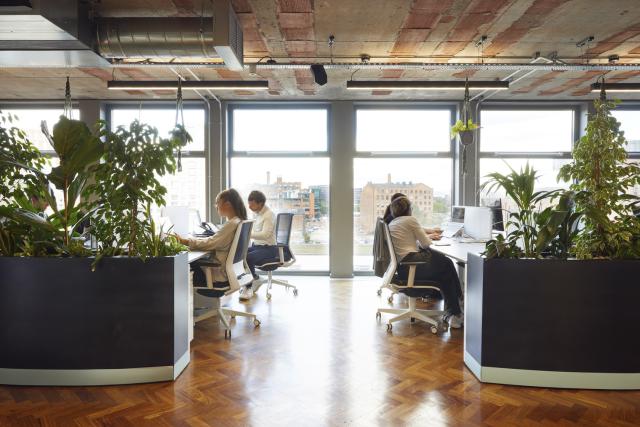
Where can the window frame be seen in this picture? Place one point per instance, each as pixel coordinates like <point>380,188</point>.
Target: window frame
<point>630,106</point>
<point>452,155</point>
<point>195,154</point>
<point>231,153</point>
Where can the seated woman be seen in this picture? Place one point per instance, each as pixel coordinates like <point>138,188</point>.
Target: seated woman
<point>229,205</point>
<point>433,233</point>
<point>409,237</point>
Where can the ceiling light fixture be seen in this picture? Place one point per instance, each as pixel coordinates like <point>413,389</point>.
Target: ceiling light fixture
<point>426,85</point>
<point>188,85</point>
<point>616,87</point>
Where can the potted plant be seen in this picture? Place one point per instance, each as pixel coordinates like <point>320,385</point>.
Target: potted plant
<point>76,316</point>
<point>464,131</point>
<point>552,303</point>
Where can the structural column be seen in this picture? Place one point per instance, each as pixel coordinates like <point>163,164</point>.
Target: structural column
<point>342,149</point>
<point>215,152</point>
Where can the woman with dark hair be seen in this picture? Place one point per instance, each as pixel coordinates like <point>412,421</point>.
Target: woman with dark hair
<point>410,240</point>
<point>229,205</point>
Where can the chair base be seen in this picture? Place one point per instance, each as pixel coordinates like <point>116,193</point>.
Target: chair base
<point>393,292</point>
<point>432,317</point>
<point>225,315</point>
<point>271,281</point>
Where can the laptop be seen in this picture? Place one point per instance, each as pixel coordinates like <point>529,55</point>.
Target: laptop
<point>454,227</point>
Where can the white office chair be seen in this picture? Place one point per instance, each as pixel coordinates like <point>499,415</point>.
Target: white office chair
<point>238,274</point>
<point>411,289</point>
<point>379,237</point>
<point>285,257</point>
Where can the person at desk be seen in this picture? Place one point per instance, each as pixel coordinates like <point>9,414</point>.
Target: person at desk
<point>264,247</point>
<point>229,205</point>
<point>409,237</point>
<point>433,233</point>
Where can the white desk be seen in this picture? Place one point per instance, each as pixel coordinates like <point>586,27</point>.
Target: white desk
<point>456,249</point>
<point>196,255</point>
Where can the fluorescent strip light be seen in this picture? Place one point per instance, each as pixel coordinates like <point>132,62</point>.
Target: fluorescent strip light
<point>188,85</point>
<point>616,87</point>
<point>425,85</point>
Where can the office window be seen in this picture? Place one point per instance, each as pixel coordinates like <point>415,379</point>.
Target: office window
<point>418,163</point>
<point>29,120</point>
<point>402,130</point>
<point>528,131</point>
<point>630,125</point>
<point>186,188</point>
<point>283,153</point>
<point>542,137</point>
<point>279,129</point>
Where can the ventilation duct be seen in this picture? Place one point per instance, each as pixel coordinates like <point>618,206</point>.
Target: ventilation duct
<point>219,36</point>
<point>48,33</point>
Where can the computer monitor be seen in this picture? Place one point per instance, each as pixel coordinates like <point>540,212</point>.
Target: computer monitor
<point>498,220</point>
<point>457,214</point>
<point>477,222</point>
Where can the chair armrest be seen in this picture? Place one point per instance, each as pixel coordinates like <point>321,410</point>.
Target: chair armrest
<point>412,262</point>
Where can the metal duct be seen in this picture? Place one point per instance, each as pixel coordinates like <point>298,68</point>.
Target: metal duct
<point>156,38</point>
<point>219,36</point>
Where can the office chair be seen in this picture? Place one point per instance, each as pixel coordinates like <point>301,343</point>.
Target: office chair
<point>238,275</point>
<point>285,256</point>
<point>412,289</point>
<point>380,253</point>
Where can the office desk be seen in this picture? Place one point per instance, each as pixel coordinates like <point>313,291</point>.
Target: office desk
<point>457,250</point>
<point>196,255</point>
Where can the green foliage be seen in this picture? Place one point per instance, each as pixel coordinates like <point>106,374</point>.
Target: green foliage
<point>460,126</point>
<point>531,231</point>
<point>126,182</point>
<point>601,179</point>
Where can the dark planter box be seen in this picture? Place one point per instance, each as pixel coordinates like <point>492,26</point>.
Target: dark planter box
<point>62,324</point>
<point>554,323</point>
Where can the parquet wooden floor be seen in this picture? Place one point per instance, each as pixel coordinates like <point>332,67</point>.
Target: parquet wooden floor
<point>319,359</point>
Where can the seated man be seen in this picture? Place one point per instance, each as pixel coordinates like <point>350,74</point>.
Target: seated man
<point>264,247</point>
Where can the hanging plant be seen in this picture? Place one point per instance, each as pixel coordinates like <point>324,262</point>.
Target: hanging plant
<point>464,129</point>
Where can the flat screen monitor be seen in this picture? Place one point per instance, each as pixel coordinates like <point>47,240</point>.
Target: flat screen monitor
<point>498,220</point>
<point>457,214</point>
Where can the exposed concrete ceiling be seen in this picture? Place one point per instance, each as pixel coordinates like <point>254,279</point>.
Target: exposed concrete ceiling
<point>386,30</point>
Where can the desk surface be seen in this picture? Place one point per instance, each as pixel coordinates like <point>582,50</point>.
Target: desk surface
<point>458,250</point>
<point>196,255</point>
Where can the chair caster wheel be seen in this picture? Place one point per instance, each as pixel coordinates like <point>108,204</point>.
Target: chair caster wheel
<point>256,322</point>
<point>434,330</point>
<point>389,327</point>
<point>227,334</point>
<point>413,320</point>
<point>268,296</point>
<point>390,299</point>
<point>295,292</point>
<point>379,292</point>
<point>378,316</point>
<point>233,317</point>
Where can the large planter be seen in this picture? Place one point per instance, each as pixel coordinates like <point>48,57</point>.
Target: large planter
<point>62,324</point>
<point>553,323</point>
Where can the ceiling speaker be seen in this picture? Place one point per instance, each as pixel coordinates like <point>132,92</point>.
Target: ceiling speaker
<point>319,74</point>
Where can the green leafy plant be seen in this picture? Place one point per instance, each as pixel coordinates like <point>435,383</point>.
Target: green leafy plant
<point>461,126</point>
<point>126,182</point>
<point>531,230</point>
<point>601,178</point>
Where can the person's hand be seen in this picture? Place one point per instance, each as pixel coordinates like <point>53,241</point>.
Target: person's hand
<point>180,239</point>
<point>433,230</point>
<point>435,236</point>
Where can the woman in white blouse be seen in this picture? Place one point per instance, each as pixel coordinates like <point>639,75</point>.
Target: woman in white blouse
<point>229,205</point>
<point>410,238</point>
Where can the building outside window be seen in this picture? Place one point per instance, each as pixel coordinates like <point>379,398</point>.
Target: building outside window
<point>283,152</point>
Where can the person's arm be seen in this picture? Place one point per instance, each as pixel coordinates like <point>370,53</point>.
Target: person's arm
<point>268,227</point>
<point>419,233</point>
<point>219,240</point>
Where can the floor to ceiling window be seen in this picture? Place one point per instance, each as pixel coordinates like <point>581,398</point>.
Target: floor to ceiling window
<point>186,187</point>
<point>513,136</point>
<point>283,152</point>
<point>29,118</point>
<point>629,118</point>
<point>400,149</point>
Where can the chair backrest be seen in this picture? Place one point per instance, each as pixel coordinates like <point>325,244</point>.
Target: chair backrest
<point>238,273</point>
<point>284,224</point>
<point>393,261</point>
